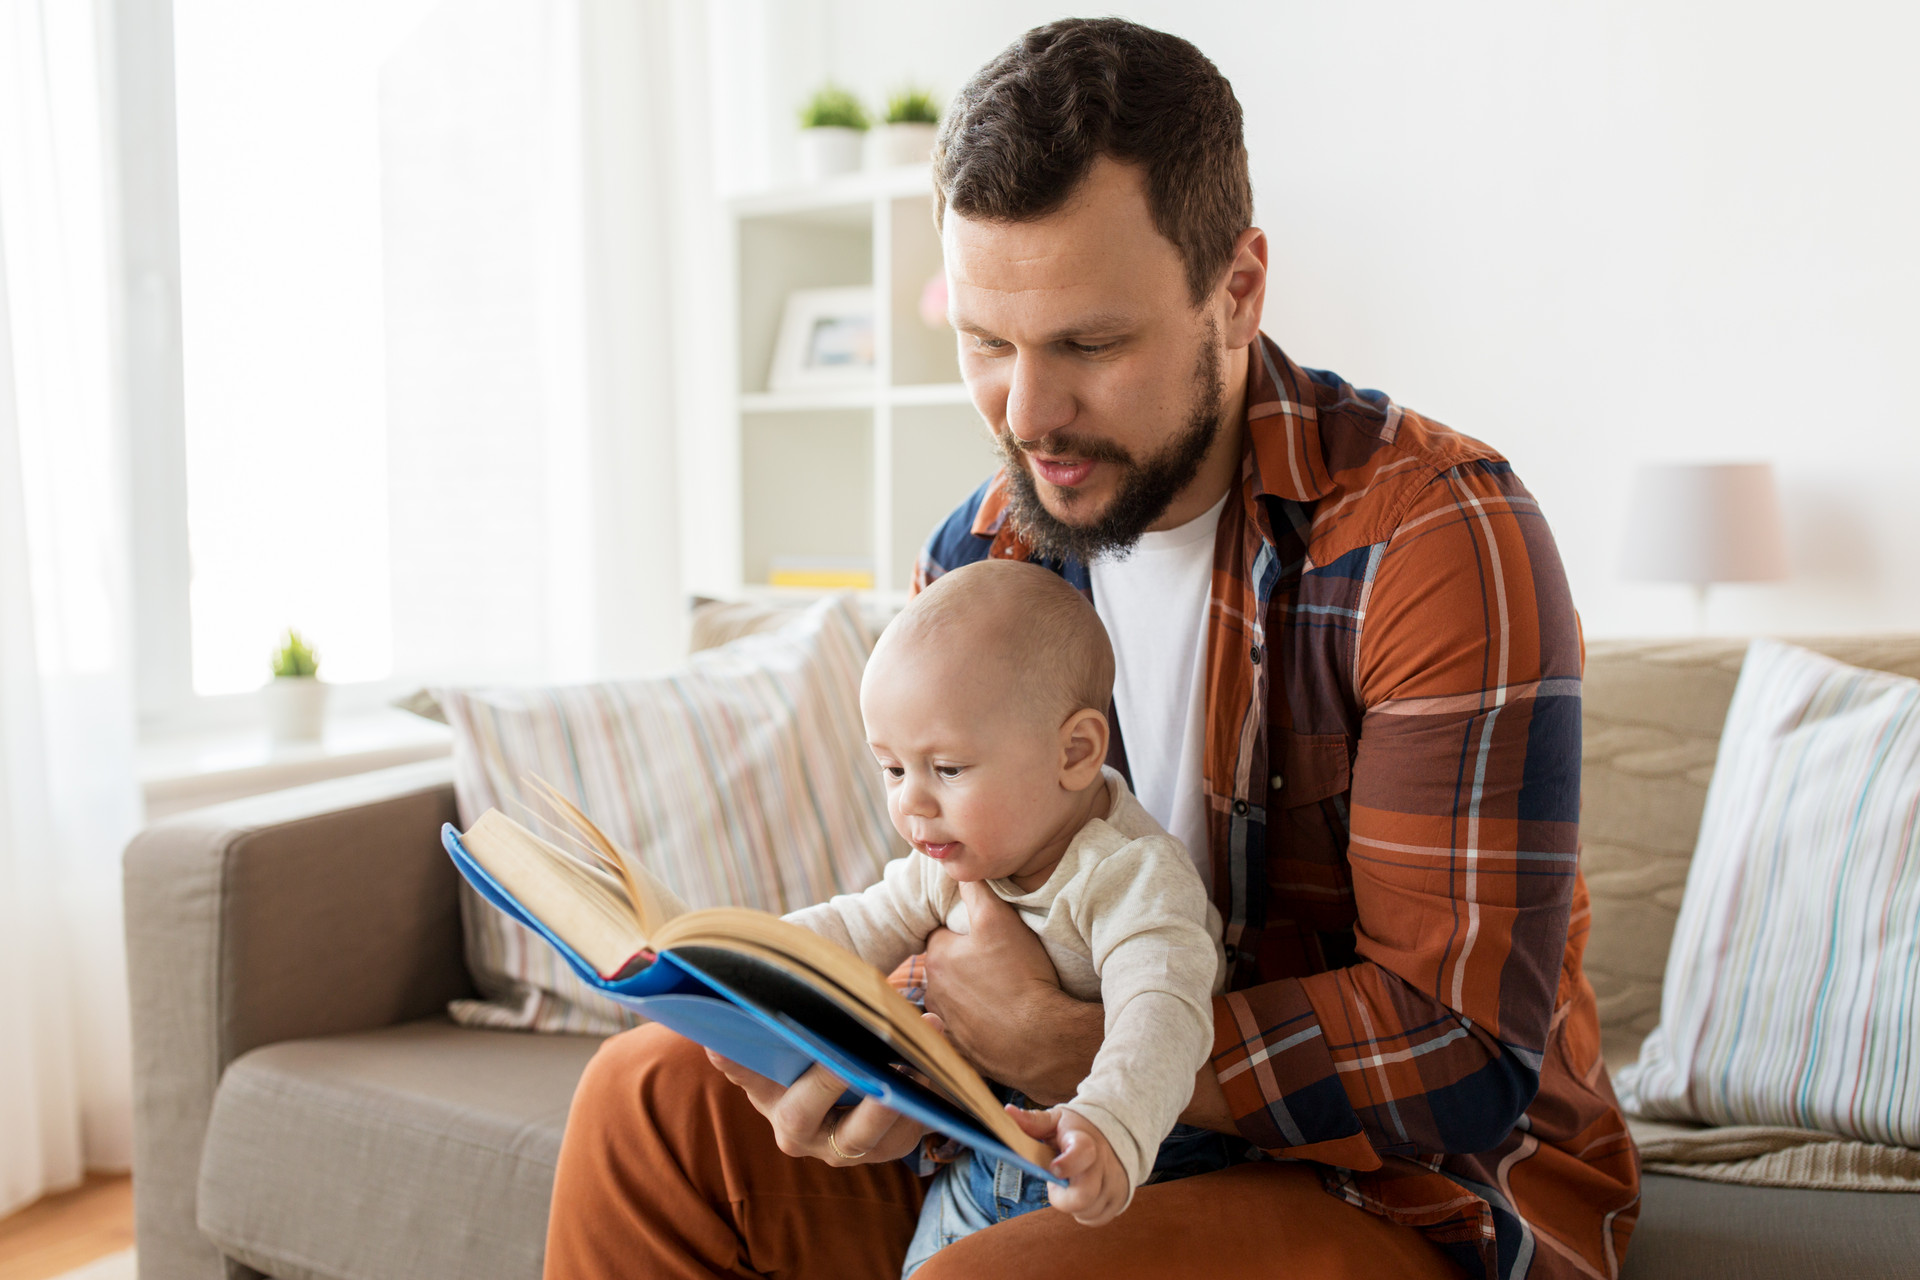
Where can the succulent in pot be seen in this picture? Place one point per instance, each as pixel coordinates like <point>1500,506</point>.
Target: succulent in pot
<point>832,126</point>
<point>296,699</point>
<point>906,136</point>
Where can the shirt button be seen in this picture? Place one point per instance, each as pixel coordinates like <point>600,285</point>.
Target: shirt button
<point>1239,808</point>
<point>1233,953</point>
<point>1276,782</point>
<point>1256,653</point>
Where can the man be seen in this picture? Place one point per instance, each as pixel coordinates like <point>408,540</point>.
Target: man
<point>1348,678</point>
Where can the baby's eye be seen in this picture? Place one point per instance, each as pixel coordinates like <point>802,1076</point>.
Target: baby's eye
<point>948,771</point>
<point>893,771</point>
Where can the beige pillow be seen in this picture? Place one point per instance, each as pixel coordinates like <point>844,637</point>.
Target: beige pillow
<point>741,779</point>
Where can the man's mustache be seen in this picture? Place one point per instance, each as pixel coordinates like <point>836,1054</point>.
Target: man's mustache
<point>1058,445</point>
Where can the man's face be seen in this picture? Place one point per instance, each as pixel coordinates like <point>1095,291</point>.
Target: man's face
<point>1085,354</point>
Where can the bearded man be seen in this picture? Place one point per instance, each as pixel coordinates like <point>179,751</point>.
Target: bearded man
<point>1348,678</point>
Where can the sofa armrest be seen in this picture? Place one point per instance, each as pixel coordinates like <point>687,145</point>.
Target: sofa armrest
<point>314,911</point>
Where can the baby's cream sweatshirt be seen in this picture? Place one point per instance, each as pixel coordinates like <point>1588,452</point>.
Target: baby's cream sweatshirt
<point>1125,920</point>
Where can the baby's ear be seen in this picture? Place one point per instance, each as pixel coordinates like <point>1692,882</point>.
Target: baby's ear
<point>1083,748</point>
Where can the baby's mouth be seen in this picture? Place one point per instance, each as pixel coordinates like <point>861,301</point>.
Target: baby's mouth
<point>938,850</point>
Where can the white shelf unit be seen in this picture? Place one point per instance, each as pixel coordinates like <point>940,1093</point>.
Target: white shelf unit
<point>847,473</point>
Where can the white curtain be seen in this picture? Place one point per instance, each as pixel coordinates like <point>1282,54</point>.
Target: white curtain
<point>598,363</point>
<point>552,159</point>
<point>68,794</point>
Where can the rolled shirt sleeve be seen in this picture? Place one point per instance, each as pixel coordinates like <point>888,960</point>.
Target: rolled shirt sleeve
<point>1462,851</point>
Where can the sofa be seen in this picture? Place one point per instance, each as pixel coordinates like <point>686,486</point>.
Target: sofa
<point>305,1109</point>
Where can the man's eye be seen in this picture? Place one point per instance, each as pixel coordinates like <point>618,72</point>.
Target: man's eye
<point>1090,348</point>
<point>991,344</point>
<point>948,771</point>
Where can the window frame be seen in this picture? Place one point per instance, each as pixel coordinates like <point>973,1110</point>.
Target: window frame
<point>153,398</point>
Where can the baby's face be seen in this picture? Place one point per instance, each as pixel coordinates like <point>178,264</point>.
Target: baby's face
<point>973,779</point>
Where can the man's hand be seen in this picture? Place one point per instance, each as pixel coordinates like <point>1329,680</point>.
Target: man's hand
<point>1096,1187</point>
<point>1001,1004</point>
<point>807,1120</point>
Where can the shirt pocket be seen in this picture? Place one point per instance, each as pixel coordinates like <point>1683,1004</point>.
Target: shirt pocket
<point>1308,878</point>
<point>1307,767</point>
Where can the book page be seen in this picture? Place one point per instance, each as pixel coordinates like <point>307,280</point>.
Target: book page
<point>653,902</point>
<point>584,906</point>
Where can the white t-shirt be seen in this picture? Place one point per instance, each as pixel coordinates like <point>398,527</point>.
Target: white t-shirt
<point>1154,605</point>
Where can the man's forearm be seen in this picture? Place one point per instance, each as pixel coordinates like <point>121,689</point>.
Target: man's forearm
<point>1048,1045</point>
<point>1052,1047</point>
<point>1209,1109</point>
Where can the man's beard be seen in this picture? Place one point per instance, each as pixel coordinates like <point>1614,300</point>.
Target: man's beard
<point>1145,490</point>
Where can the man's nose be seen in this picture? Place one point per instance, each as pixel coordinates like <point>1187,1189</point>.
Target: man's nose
<point>1037,405</point>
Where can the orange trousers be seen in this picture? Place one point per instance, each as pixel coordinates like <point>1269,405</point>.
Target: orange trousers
<point>668,1173</point>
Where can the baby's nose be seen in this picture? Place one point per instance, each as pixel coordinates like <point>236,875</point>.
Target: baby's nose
<point>916,800</point>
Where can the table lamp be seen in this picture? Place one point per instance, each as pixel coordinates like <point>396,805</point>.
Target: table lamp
<point>1702,523</point>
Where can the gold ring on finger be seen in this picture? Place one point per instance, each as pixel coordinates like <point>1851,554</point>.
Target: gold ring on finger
<point>848,1156</point>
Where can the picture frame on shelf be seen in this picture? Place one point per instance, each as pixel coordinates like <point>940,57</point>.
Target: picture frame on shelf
<point>827,339</point>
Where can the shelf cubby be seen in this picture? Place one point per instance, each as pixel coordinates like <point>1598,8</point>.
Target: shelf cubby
<point>862,471</point>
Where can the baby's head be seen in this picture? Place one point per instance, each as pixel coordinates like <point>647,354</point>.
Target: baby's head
<point>985,704</point>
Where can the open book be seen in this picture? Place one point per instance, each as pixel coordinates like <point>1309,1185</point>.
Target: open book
<point>768,994</point>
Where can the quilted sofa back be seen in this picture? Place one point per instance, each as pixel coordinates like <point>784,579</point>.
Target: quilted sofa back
<point>1652,716</point>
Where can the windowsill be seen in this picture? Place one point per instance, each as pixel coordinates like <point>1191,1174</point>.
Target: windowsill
<point>192,770</point>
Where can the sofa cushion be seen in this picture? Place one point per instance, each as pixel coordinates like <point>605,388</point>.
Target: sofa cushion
<point>1651,716</point>
<point>1789,990</point>
<point>1692,1230</point>
<point>741,778</point>
<point>424,1150</point>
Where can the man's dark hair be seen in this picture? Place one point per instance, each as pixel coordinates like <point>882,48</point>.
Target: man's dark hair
<point>1027,128</point>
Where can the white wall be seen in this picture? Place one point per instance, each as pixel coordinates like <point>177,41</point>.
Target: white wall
<point>1589,233</point>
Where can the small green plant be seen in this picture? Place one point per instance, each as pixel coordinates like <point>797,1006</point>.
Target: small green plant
<point>912,106</point>
<point>832,107</point>
<point>295,658</point>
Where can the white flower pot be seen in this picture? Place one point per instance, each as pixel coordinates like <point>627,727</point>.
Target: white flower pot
<point>892,145</point>
<point>296,708</point>
<point>828,151</point>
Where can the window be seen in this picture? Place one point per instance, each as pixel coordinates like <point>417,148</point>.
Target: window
<point>281,296</point>
<point>429,383</point>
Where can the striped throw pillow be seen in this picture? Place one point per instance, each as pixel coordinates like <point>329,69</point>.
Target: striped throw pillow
<point>1792,993</point>
<point>741,779</point>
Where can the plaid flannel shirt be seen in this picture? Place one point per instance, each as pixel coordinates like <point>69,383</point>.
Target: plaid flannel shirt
<point>1392,777</point>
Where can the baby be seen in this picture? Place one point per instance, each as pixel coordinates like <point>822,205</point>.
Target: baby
<point>985,707</point>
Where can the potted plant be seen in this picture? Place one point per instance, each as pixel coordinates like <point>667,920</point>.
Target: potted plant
<point>296,700</point>
<point>913,118</point>
<point>832,124</point>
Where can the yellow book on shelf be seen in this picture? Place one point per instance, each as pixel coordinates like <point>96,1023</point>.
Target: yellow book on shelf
<point>820,574</point>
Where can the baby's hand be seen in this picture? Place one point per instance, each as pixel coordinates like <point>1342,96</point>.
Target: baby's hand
<point>1096,1187</point>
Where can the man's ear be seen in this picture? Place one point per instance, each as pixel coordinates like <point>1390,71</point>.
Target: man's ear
<point>1244,290</point>
<point>1083,748</point>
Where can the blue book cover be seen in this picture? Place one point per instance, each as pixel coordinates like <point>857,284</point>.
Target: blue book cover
<point>758,1015</point>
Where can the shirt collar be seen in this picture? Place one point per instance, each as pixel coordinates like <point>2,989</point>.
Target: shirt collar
<point>1283,427</point>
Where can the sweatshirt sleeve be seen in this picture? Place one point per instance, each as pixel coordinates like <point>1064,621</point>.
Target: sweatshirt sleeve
<point>886,922</point>
<point>1143,909</point>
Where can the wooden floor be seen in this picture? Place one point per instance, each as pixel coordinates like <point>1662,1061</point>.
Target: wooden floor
<point>60,1232</point>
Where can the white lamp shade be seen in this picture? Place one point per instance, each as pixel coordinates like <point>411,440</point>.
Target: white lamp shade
<point>1704,522</point>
